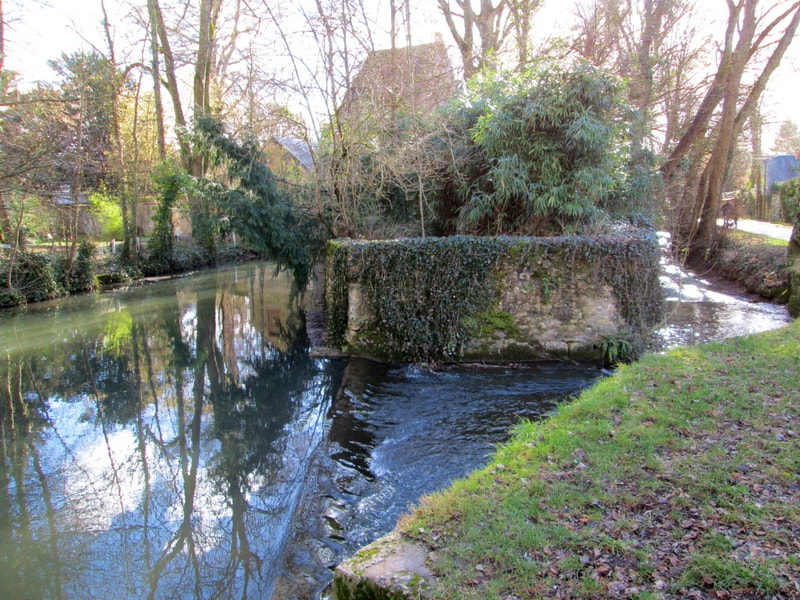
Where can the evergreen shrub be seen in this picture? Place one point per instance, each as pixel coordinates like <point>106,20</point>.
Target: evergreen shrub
<point>31,279</point>
<point>545,152</point>
<point>80,275</point>
<point>790,200</point>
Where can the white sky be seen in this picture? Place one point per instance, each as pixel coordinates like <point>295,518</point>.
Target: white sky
<point>40,30</point>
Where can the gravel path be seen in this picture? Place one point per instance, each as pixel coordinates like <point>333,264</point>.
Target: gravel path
<point>773,230</point>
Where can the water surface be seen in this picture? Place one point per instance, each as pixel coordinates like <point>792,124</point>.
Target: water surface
<point>177,440</point>
<point>703,307</point>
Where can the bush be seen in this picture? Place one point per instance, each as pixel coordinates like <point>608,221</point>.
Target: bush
<point>541,153</point>
<point>182,258</point>
<point>790,200</point>
<point>80,275</point>
<point>30,277</point>
<point>109,215</point>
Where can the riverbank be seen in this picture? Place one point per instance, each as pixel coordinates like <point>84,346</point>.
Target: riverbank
<point>676,478</point>
<point>756,261</point>
<point>41,274</point>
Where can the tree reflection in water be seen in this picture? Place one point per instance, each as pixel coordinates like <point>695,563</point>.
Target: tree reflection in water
<point>156,443</point>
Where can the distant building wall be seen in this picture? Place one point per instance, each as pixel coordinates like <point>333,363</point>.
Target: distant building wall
<point>181,223</point>
<point>777,169</point>
<point>780,168</point>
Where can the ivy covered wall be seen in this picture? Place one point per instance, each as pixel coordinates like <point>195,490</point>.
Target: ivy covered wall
<point>493,298</point>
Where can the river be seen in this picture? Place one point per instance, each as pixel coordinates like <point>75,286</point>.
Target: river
<point>177,439</point>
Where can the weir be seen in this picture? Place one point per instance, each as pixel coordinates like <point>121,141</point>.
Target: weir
<point>497,298</point>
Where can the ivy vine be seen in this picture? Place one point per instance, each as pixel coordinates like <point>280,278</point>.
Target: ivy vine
<point>426,295</point>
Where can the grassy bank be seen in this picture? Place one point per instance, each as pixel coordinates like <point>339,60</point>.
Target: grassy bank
<point>677,478</point>
<point>756,261</point>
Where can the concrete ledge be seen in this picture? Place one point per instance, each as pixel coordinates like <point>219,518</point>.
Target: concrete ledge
<point>391,568</point>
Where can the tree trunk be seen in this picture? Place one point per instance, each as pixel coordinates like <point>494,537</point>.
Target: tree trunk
<point>129,253</point>
<point>5,220</point>
<point>743,23</point>
<point>465,41</point>
<point>755,166</point>
<point>155,70</point>
<point>732,121</point>
<point>172,81</point>
<point>202,71</point>
<point>2,37</point>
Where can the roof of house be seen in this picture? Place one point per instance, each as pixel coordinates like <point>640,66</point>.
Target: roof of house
<point>301,151</point>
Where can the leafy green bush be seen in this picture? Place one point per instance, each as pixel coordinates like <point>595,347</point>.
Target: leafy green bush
<point>79,276</point>
<point>542,153</point>
<point>790,200</point>
<point>31,279</point>
<point>108,212</point>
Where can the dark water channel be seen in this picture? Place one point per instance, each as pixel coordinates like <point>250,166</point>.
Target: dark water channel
<point>177,440</point>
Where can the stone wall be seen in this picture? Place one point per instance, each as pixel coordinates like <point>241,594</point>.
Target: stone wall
<point>506,298</point>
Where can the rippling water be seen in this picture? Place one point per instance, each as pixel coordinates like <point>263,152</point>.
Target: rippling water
<point>177,440</point>
<point>704,308</point>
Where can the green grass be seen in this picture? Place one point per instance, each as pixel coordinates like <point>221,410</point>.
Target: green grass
<point>754,239</point>
<point>680,474</point>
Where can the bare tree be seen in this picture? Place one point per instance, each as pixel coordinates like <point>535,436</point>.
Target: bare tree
<point>478,34</point>
<point>2,37</point>
<point>164,45</point>
<point>128,205</point>
<point>5,220</point>
<point>652,44</point>
<point>481,34</point>
<point>155,72</point>
<point>760,207</point>
<point>756,39</point>
<point>787,141</point>
<point>336,37</point>
<point>522,13</point>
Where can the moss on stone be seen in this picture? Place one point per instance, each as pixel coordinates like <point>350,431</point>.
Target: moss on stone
<point>486,323</point>
<point>347,588</point>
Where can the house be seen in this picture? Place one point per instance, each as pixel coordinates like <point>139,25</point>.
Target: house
<point>290,159</point>
<point>401,81</point>
<point>779,168</point>
<point>774,170</point>
<point>73,211</point>
<point>301,151</point>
